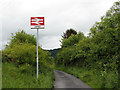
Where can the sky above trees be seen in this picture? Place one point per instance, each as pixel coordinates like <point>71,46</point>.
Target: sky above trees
<point>60,15</point>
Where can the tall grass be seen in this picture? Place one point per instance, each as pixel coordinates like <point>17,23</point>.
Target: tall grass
<point>12,77</point>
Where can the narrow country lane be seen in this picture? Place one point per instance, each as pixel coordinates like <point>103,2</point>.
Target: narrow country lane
<point>64,80</point>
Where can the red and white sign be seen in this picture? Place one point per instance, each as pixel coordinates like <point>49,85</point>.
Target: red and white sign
<point>37,22</point>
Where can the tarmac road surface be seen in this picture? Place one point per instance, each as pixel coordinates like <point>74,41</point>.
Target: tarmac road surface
<point>64,80</point>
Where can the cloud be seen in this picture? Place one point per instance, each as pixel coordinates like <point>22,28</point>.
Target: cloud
<point>47,42</point>
<point>3,44</point>
<point>60,15</point>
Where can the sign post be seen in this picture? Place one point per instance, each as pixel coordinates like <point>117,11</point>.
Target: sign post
<point>37,53</point>
<point>37,23</point>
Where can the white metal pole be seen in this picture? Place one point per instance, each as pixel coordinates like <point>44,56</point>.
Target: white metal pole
<point>37,53</point>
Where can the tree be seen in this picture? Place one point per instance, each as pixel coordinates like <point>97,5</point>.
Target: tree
<point>69,32</point>
<point>72,40</point>
<point>22,37</point>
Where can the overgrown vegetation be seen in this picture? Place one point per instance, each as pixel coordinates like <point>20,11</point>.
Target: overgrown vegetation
<point>0,69</point>
<point>19,64</point>
<point>95,58</point>
<point>14,78</point>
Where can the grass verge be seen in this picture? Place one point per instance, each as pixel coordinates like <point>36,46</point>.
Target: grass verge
<point>12,77</point>
<point>93,79</point>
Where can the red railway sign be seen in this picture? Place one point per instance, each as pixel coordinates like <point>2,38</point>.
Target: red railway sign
<point>37,22</point>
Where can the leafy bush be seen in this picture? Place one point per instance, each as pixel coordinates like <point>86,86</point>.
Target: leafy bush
<point>21,69</point>
<point>22,37</point>
<point>72,40</point>
<point>99,52</point>
<point>20,54</point>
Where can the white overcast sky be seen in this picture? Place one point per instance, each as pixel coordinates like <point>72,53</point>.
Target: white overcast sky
<point>60,15</point>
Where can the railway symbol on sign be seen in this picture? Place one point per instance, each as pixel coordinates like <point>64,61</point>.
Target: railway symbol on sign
<point>37,22</point>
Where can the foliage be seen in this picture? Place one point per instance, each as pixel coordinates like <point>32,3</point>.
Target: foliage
<point>20,53</point>
<point>53,52</point>
<point>72,40</point>
<point>25,80</point>
<point>0,69</point>
<point>20,56</point>
<point>64,56</point>
<point>69,32</point>
<point>22,37</point>
<point>99,52</point>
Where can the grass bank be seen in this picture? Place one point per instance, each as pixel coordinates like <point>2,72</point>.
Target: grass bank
<point>92,78</point>
<point>12,77</point>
